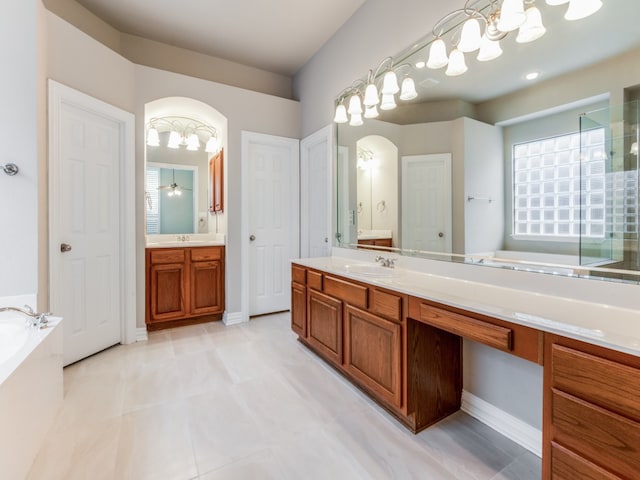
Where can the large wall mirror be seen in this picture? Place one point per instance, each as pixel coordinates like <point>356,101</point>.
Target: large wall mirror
<point>184,175</point>
<point>475,169</point>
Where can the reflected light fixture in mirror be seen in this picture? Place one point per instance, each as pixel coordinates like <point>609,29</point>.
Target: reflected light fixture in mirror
<point>184,131</point>
<point>366,93</point>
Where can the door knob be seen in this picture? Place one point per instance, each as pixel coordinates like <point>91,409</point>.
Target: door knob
<point>65,247</point>
<point>252,238</point>
<point>441,234</point>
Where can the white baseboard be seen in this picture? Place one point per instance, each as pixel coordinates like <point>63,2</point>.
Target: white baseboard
<point>232,318</point>
<point>511,427</point>
<point>141,334</point>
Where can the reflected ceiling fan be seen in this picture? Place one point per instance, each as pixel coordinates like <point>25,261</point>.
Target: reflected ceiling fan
<point>174,188</point>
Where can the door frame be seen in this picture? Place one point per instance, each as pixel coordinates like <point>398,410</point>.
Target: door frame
<point>324,135</point>
<point>293,145</point>
<point>60,95</point>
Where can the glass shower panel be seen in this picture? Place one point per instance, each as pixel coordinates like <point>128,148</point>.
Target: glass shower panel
<point>609,187</point>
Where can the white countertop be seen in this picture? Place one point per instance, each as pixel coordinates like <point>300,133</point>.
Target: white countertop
<point>181,241</point>
<point>189,243</point>
<point>600,324</point>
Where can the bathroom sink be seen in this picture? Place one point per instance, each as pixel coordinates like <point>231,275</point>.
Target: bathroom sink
<point>370,270</point>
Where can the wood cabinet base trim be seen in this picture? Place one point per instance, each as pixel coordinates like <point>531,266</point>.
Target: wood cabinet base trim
<point>183,322</point>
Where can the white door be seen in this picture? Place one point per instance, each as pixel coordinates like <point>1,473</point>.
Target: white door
<point>86,247</point>
<point>272,238</point>
<point>426,203</point>
<point>315,194</point>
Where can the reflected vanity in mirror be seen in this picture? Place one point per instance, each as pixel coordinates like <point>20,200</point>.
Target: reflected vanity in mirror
<point>551,189</point>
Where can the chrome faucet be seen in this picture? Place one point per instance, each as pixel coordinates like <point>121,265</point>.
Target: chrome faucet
<point>386,262</point>
<point>36,320</point>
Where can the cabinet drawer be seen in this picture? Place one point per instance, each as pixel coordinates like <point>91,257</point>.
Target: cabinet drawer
<point>201,254</point>
<point>351,293</point>
<point>609,384</point>
<point>386,305</point>
<point>567,465</point>
<point>298,275</point>
<point>484,332</point>
<point>167,255</point>
<point>314,280</point>
<point>596,434</point>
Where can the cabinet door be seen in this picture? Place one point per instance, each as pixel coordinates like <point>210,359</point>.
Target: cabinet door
<point>299,310</point>
<point>325,325</point>
<point>216,182</point>
<point>207,287</point>
<point>167,285</point>
<point>372,354</point>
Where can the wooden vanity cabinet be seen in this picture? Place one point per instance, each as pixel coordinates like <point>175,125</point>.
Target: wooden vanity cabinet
<point>299,301</point>
<point>360,330</point>
<point>166,284</point>
<point>591,418</point>
<point>184,285</point>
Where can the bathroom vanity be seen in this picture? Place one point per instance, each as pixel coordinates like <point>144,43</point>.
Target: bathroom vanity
<point>397,335</point>
<point>184,285</point>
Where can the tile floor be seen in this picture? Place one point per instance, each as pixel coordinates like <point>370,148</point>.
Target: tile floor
<point>212,402</point>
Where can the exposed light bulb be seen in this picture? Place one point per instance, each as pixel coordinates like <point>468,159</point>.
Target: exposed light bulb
<point>532,29</point>
<point>355,107</point>
<point>437,54</point>
<point>371,112</point>
<point>174,140</point>
<point>421,64</point>
<point>579,9</point>
<point>193,143</point>
<point>470,36</point>
<point>489,49</point>
<point>408,91</point>
<point>511,15</point>
<point>371,95</point>
<point>153,137</point>
<point>457,65</point>
<point>178,192</point>
<point>388,102</point>
<point>390,83</point>
<point>341,114</point>
<point>212,145</point>
<point>356,120</point>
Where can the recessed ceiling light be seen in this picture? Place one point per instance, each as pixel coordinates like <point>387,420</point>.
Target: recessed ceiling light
<point>532,75</point>
<point>421,65</point>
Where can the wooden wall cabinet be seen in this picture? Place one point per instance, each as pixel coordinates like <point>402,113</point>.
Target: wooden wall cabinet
<point>184,285</point>
<point>216,182</point>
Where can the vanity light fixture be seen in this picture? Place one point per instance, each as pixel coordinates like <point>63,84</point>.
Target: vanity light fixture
<point>366,96</point>
<point>183,132</point>
<point>498,19</point>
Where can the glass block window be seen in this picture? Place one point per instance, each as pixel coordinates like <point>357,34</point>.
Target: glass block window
<point>152,200</point>
<point>546,186</point>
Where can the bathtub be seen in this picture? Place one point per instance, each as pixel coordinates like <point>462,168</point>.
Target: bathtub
<point>31,386</point>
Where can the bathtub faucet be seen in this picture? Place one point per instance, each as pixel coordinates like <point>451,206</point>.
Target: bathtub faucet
<point>37,320</point>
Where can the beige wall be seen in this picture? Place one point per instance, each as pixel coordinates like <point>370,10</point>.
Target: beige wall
<point>159,55</point>
<point>79,61</point>
<point>18,130</point>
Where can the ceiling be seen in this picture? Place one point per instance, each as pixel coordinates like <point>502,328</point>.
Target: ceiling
<point>279,36</point>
